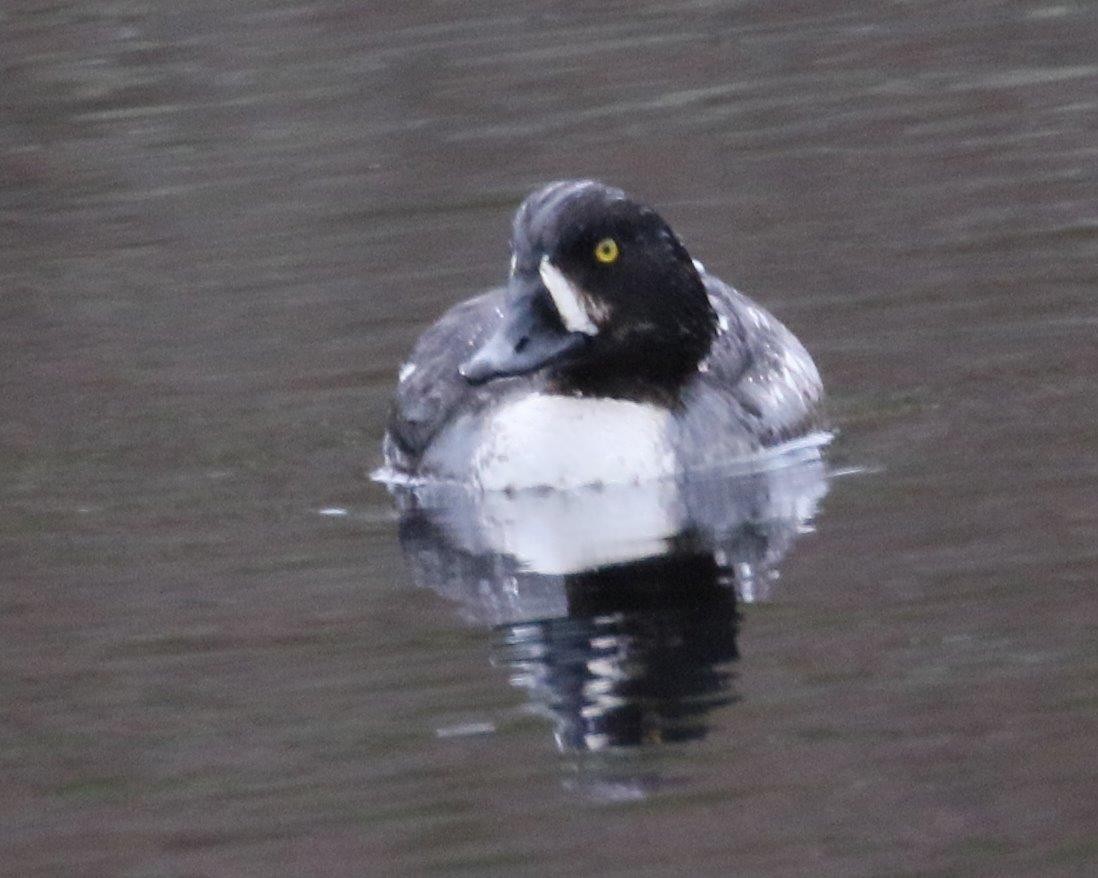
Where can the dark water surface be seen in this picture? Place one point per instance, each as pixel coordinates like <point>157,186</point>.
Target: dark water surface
<point>221,228</point>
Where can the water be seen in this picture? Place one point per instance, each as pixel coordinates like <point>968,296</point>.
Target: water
<point>220,232</point>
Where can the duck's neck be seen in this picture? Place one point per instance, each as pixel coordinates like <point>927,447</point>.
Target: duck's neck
<point>626,387</point>
<point>637,371</point>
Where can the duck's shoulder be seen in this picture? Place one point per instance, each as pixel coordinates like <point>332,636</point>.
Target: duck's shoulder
<point>429,388</point>
<point>757,388</point>
<point>430,392</point>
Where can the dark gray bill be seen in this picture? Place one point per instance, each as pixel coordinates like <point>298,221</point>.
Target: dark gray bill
<point>530,336</point>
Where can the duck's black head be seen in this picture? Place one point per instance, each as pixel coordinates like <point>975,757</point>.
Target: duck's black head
<point>602,293</point>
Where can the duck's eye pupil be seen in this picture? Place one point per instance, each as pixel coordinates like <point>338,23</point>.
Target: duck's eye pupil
<point>606,251</point>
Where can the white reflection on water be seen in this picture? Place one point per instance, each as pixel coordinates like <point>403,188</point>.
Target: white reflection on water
<point>616,608</point>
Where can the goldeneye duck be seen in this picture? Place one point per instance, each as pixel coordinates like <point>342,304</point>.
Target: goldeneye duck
<point>610,356</point>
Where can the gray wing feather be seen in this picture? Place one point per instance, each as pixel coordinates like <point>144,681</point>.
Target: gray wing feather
<point>432,390</point>
<point>758,387</point>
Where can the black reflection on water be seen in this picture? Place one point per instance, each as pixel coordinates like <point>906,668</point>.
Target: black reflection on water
<point>616,610</point>
<point>641,657</point>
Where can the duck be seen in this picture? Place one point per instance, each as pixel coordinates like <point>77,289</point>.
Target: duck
<point>610,356</point>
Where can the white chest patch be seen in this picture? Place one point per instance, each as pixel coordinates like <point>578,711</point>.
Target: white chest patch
<point>567,442</point>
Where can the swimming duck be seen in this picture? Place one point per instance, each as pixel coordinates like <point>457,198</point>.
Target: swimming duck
<point>610,356</point>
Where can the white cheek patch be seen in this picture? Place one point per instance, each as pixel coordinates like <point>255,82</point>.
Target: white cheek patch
<point>568,298</point>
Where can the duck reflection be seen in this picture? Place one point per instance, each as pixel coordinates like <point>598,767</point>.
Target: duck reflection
<point>641,657</point>
<point>616,609</point>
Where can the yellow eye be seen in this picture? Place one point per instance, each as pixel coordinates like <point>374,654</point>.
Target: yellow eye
<point>606,251</point>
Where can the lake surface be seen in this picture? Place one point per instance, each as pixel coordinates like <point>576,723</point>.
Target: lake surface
<point>222,652</point>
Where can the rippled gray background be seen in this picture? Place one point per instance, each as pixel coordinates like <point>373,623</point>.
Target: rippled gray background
<point>223,224</point>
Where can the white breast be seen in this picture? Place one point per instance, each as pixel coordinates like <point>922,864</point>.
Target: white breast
<point>566,442</point>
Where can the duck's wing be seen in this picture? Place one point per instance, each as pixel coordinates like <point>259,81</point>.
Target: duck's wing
<point>758,386</point>
<point>430,390</point>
